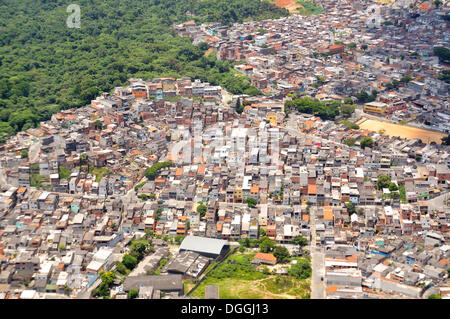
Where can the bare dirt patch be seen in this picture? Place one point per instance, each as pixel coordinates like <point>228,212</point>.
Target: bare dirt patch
<point>291,5</point>
<point>402,131</point>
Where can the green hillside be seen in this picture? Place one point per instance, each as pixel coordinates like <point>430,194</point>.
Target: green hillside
<point>46,66</point>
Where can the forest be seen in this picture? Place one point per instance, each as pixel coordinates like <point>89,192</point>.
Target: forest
<point>45,66</point>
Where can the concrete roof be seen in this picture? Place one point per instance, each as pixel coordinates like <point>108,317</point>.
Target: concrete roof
<point>163,282</point>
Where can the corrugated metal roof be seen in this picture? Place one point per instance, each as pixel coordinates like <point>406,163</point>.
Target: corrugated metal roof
<point>203,244</point>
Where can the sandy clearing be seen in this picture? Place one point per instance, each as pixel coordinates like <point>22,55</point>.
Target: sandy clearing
<point>403,131</point>
<point>291,5</point>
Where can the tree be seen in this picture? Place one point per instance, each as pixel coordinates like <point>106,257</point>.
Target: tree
<point>434,296</point>
<point>83,159</point>
<point>443,53</point>
<point>366,142</point>
<point>446,140</point>
<point>64,172</point>
<point>350,141</point>
<point>444,76</point>
<point>133,294</point>
<point>121,269</point>
<point>107,279</point>
<point>251,202</point>
<point>362,97</point>
<point>262,232</point>
<point>201,209</point>
<point>383,181</point>
<point>300,241</point>
<point>351,208</point>
<point>98,125</point>
<point>139,248</point>
<point>266,245</point>
<point>129,261</point>
<point>281,253</point>
<point>239,106</point>
<point>24,154</point>
<point>393,187</point>
<point>179,239</point>
<point>301,269</point>
<point>347,110</point>
<point>152,172</point>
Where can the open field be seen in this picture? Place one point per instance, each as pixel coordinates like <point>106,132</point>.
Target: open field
<point>299,7</point>
<point>403,131</point>
<point>272,287</point>
<point>291,5</point>
<point>238,279</point>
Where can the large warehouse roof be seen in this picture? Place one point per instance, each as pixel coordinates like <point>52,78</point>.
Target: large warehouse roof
<point>203,245</point>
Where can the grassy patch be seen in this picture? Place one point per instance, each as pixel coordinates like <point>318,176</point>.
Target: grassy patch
<point>99,172</point>
<point>286,285</point>
<point>309,8</point>
<point>237,278</point>
<point>64,172</point>
<point>36,180</point>
<point>350,125</point>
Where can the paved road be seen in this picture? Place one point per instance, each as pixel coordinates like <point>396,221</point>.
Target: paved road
<point>318,290</point>
<point>318,286</point>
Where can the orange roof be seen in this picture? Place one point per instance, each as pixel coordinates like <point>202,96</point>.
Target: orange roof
<point>312,189</point>
<point>327,213</point>
<point>422,203</point>
<point>444,261</point>
<point>160,180</point>
<point>254,189</point>
<point>178,172</point>
<point>201,169</point>
<point>305,217</point>
<point>336,46</point>
<point>219,227</point>
<point>22,190</point>
<point>136,152</point>
<point>264,256</point>
<point>332,288</point>
<point>172,157</point>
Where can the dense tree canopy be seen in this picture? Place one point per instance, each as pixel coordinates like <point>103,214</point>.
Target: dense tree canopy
<point>266,245</point>
<point>45,66</point>
<point>366,142</point>
<point>325,110</point>
<point>302,269</point>
<point>152,172</point>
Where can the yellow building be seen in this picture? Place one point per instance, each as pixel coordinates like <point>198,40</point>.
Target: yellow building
<point>238,194</point>
<point>272,118</point>
<point>375,107</point>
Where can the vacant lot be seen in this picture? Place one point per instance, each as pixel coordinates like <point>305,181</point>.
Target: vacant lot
<point>291,5</point>
<point>237,278</point>
<point>402,130</point>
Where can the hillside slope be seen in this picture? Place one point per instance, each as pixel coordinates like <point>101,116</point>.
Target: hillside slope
<point>46,66</point>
